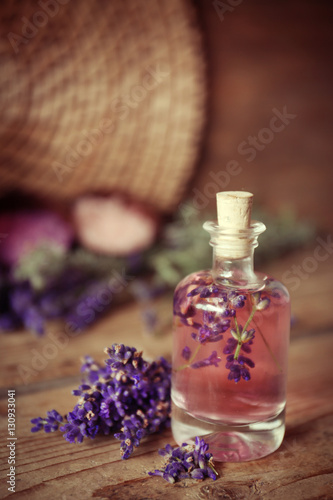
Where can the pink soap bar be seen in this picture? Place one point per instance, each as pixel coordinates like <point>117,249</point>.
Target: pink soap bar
<point>21,232</point>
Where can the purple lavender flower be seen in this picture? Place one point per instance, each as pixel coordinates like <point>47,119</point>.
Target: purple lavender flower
<point>203,291</point>
<point>59,298</point>
<point>49,424</point>
<point>207,334</point>
<point>236,370</point>
<point>22,303</point>
<point>238,364</point>
<point>21,297</point>
<point>33,320</point>
<point>131,434</point>
<point>127,396</point>
<point>236,300</point>
<point>212,360</point>
<point>206,292</point>
<point>186,462</point>
<point>208,317</point>
<point>212,329</point>
<point>186,353</point>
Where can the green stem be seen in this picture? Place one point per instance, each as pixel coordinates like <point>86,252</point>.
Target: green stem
<point>213,468</point>
<point>239,345</point>
<point>254,308</point>
<point>238,348</point>
<point>237,327</point>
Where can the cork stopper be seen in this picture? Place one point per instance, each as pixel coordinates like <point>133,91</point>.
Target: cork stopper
<point>234,210</point>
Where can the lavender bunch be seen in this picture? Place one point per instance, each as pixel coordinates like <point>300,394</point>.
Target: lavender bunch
<point>127,397</point>
<point>18,306</point>
<point>189,461</point>
<point>24,306</point>
<point>50,284</point>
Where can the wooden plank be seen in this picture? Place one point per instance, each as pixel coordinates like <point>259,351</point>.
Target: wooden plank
<point>27,360</point>
<point>48,466</point>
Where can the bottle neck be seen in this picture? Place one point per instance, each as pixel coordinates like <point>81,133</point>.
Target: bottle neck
<point>233,253</point>
<point>236,273</point>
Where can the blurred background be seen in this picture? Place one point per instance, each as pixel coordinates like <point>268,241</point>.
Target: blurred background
<point>121,121</point>
<point>266,55</point>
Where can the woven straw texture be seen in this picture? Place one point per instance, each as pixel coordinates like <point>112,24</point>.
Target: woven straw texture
<point>101,96</point>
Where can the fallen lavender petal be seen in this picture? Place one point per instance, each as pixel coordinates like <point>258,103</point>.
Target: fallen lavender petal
<point>186,462</point>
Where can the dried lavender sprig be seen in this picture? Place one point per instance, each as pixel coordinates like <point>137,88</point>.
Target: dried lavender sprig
<point>186,462</point>
<point>49,424</point>
<point>128,397</point>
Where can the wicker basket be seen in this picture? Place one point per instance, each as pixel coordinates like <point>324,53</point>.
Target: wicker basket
<point>101,96</point>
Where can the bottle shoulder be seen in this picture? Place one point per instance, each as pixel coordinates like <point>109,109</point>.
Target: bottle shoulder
<point>198,294</point>
<point>195,279</point>
<point>205,278</point>
<point>274,287</point>
<point>199,288</point>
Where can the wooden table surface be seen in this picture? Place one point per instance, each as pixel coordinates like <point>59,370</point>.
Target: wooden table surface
<point>49,467</point>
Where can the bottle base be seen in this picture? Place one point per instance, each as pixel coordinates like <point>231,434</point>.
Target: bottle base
<point>227,443</point>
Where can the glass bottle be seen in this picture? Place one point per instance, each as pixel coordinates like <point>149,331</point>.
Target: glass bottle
<point>230,344</point>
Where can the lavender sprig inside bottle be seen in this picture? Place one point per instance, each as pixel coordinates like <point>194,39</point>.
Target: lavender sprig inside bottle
<point>219,316</point>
